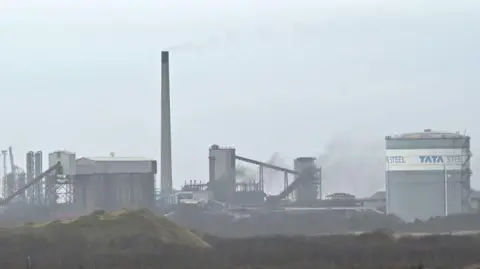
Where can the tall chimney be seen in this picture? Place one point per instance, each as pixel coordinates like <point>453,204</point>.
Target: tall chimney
<point>166,139</point>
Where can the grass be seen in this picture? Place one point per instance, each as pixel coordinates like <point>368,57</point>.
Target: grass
<point>102,230</point>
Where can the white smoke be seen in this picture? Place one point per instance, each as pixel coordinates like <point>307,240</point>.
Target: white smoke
<point>350,164</point>
<point>273,178</point>
<point>245,174</point>
<point>353,164</point>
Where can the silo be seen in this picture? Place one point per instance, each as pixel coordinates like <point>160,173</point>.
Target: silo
<point>30,176</point>
<point>38,188</point>
<point>427,174</point>
<point>307,192</point>
<point>222,172</point>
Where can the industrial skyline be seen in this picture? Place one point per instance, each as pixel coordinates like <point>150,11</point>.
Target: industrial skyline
<point>287,80</point>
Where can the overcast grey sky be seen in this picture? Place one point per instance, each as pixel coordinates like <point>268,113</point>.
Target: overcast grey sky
<point>263,76</point>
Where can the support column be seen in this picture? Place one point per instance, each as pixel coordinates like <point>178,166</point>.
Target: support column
<point>260,177</point>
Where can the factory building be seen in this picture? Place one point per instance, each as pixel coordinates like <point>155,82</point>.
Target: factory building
<point>112,183</point>
<point>427,174</point>
<point>108,183</point>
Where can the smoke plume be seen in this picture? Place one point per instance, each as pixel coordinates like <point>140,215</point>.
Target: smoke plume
<point>274,179</point>
<point>353,165</point>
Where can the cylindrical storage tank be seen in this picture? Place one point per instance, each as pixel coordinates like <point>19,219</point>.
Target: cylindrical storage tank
<point>307,191</point>
<point>427,174</point>
<point>38,188</point>
<point>222,172</point>
<point>30,163</point>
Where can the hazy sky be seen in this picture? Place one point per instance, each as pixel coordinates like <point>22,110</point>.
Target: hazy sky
<point>263,76</point>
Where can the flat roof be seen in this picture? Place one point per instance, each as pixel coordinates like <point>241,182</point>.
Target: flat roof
<point>116,159</point>
<point>428,134</point>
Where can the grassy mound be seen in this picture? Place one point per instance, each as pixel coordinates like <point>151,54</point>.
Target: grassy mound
<point>138,230</point>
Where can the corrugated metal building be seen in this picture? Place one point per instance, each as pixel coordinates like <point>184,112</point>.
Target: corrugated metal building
<point>427,174</point>
<point>112,183</point>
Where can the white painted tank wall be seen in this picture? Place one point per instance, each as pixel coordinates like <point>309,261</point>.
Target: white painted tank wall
<point>415,182</point>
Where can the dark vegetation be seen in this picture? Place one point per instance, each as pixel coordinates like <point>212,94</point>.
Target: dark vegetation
<point>138,239</point>
<point>318,223</point>
<point>374,250</point>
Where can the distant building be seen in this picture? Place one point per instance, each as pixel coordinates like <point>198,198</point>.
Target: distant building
<point>340,196</point>
<point>112,183</point>
<point>377,201</point>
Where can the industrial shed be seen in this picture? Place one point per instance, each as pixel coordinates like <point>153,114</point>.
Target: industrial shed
<point>112,183</point>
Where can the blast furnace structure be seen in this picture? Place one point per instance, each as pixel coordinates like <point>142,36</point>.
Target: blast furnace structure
<point>427,174</point>
<point>222,180</point>
<point>310,190</point>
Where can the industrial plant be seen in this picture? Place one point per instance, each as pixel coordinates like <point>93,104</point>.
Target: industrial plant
<point>427,175</point>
